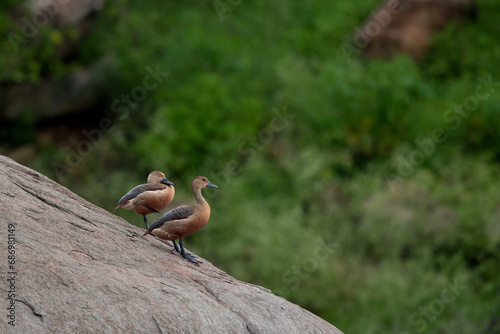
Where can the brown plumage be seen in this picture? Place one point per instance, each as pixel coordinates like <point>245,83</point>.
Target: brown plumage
<point>149,197</point>
<point>184,220</point>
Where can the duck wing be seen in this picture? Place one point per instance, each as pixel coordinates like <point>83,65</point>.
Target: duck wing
<point>180,212</point>
<point>136,192</point>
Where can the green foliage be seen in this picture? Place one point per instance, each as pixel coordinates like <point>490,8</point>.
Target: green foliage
<point>31,46</point>
<point>18,131</point>
<point>313,205</point>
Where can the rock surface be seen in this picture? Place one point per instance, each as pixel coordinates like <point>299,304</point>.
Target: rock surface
<point>81,269</point>
<point>407,26</point>
<point>75,92</point>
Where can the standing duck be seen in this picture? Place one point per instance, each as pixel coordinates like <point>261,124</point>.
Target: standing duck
<point>184,220</point>
<point>149,197</point>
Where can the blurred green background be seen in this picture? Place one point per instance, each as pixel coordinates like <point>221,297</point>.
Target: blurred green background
<point>325,195</point>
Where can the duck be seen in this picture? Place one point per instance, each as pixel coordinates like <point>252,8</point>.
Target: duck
<point>149,197</point>
<point>184,220</point>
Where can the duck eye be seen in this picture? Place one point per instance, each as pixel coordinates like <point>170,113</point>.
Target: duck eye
<point>204,179</point>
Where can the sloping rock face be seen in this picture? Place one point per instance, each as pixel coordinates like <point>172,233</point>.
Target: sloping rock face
<point>76,268</point>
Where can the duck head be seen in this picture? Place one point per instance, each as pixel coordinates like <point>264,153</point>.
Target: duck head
<point>200,182</point>
<point>158,177</point>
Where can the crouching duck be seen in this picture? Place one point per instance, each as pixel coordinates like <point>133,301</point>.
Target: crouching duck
<point>184,220</point>
<point>149,197</point>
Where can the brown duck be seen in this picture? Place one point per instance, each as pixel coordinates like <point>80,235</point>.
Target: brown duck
<point>184,220</point>
<point>149,197</point>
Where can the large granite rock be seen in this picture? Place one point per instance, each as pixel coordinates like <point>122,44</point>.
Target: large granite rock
<point>80,269</point>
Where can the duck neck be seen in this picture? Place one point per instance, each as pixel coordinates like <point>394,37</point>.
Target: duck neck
<point>199,198</point>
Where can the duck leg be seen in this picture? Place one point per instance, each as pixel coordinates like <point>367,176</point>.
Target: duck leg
<point>176,248</point>
<point>146,222</point>
<point>188,256</point>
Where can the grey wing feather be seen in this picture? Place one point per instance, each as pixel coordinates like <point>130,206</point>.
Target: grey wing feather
<point>137,191</point>
<point>180,212</point>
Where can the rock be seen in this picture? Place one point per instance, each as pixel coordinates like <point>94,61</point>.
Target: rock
<point>77,92</point>
<point>407,26</point>
<point>79,268</point>
<point>66,13</point>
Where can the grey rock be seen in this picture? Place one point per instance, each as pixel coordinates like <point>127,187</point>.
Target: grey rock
<point>82,269</point>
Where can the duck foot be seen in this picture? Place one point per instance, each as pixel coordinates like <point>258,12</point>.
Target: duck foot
<point>187,255</point>
<point>191,258</point>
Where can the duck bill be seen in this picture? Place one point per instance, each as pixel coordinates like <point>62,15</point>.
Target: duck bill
<point>211,185</point>
<point>167,182</point>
